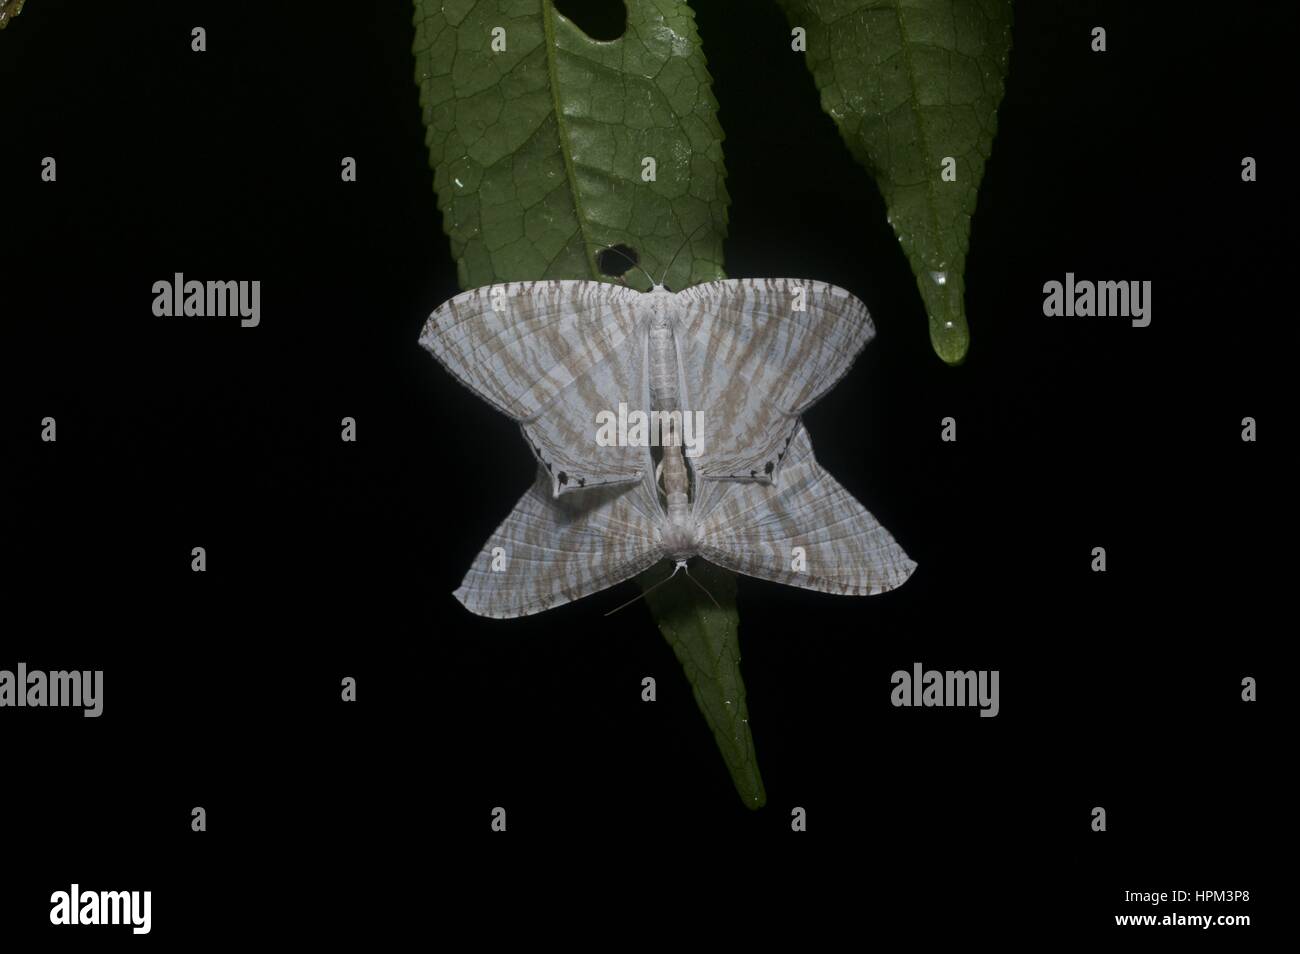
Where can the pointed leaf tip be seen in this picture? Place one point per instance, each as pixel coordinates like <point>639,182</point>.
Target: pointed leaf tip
<point>705,639</point>
<point>914,88</point>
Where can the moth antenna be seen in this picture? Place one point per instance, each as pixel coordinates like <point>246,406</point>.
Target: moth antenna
<point>685,243</point>
<point>644,593</point>
<point>630,260</point>
<point>700,585</point>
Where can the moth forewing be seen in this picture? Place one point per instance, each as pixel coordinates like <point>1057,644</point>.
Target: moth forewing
<point>548,354</point>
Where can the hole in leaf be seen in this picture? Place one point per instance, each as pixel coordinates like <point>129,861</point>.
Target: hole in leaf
<point>602,20</point>
<point>617,260</point>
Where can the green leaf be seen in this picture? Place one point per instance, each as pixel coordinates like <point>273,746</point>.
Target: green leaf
<point>910,84</point>
<point>538,154</point>
<point>704,637</point>
<point>8,10</point>
<point>539,149</point>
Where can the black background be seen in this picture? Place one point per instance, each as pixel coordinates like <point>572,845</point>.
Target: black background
<point>328,559</point>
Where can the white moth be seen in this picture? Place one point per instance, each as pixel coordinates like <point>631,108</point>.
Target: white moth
<point>744,357</point>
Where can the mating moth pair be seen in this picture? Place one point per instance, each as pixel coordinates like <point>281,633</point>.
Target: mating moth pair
<point>746,356</point>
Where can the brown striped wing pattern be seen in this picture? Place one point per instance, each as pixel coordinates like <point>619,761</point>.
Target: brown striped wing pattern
<point>555,549</point>
<point>754,528</point>
<point>756,353</point>
<point>551,355</point>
